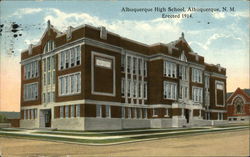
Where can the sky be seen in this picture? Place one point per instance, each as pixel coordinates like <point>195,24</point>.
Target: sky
<point>222,37</point>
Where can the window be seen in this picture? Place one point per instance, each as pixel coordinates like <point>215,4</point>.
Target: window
<point>35,113</point>
<point>24,114</point>
<point>206,82</point>
<point>220,96</point>
<point>139,89</point>
<point>54,77</point>
<point>72,57</point>
<point>72,111</point>
<point>196,75</point>
<point>99,111</point>
<point>140,66</point>
<point>239,105</point>
<point>128,89</point>
<point>108,111</point>
<point>69,58</point>
<point>67,111</point>
<point>28,113</point>
<point>183,57</point>
<point>123,112</point>
<point>169,69</point>
<point>122,62</point>
<point>145,68</point>
<point>48,97</point>
<point>129,63</point>
<point>78,110</point>
<point>197,94</point>
<point>145,111</point>
<point>48,78</point>
<point>183,72</point>
<point>129,112</point>
<point>140,113</point>
<point>186,92</point>
<point>78,55</point>
<point>134,65</point>
<point>134,112</point>
<point>123,87</point>
<point>155,112</point>
<point>180,92</point>
<point>135,88</point>
<point>166,113</point>
<point>31,70</point>
<point>49,46</point>
<point>220,116</point>
<point>145,94</point>
<point>169,90</point>
<point>61,111</point>
<point>69,89</point>
<point>30,91</point>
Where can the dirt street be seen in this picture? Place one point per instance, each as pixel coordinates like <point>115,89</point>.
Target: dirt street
<point>234,143</point>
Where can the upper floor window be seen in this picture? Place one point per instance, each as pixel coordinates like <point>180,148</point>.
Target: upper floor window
<point>169,90</point>
<point>50,45</point>
<point>206,81</point>
<point>183,72</point>
<point>197,94</point>
<point>220,95</point>
<point>30,91</point>
<point>31,70</point>
<point>70,84</point>
<point>169,69</point>
<point>69,58</point>
<point>196,75</point>
<point>183,57</point>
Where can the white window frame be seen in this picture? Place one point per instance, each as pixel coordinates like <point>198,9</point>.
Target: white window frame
<point>108,111</point>
<point>78,110</point>
<point>72,111</point>
<point>169,90</point>
<point>154,112</point>
<point>197,94</point>
<point>145,112</point>
<point>30,92</point>
<point>170,69</point>
<point>71,56</point>
<point>166,112</point>
<point>31,70</point>
<point>65,87</point>
<point>98,111</point>
<point>61,108</point>
<point>222,85</point>
<point>197,75</point>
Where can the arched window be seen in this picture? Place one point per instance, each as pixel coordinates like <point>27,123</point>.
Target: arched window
<point>239,103</point>
<point>50,45</point>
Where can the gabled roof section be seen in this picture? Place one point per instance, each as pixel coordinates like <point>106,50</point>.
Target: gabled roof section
<point>49,27</point>
<point>175,44</point>
<point>243,92</point>
<point>247,91</point>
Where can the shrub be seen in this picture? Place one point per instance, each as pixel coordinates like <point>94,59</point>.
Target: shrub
<point>3,119</point>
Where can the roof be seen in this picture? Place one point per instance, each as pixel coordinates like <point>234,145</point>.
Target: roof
<point>11,115</point>
<point>247,91</point>
<point>229,94</point>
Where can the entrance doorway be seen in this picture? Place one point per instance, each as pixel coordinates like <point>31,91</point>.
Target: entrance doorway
<point>45,118</point>
<point>187,112</point>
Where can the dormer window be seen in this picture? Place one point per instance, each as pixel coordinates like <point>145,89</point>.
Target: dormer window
<point>183,57</point>
<point>49,46</point>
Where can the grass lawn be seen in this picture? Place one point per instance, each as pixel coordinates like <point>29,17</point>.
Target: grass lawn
<point>113,133</point>
<point>118,140</point>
